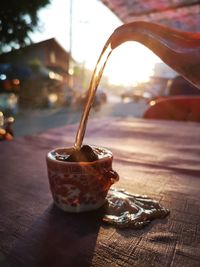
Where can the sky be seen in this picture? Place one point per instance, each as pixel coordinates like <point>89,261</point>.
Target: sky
<point>92,24</point>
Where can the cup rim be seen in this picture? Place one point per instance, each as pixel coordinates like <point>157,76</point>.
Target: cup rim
<point>49,157</point>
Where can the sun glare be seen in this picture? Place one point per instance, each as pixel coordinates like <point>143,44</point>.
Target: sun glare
<point>130,64</point>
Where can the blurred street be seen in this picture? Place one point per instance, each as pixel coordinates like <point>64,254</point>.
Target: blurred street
<point>28,122</point>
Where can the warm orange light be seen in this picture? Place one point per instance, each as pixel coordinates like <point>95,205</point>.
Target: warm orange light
<point>2,131</point>
<point>152,102</point>
<point>15,82</point>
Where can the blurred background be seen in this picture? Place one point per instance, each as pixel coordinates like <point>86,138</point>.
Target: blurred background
<point>49,48</point>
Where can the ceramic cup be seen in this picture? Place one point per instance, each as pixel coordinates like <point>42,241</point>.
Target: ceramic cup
<point>80,186</point>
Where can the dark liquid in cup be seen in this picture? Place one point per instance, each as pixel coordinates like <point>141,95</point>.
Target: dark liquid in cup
<point>85,154</point>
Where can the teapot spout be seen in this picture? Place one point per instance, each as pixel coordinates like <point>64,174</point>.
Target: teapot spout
<point>179,50</point>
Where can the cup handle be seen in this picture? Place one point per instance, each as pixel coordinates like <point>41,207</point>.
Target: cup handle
<point>111,175</point>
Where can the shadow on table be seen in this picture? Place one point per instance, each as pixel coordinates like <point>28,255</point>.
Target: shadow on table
<point>58,239</point>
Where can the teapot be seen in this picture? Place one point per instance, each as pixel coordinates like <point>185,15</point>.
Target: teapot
<point>179,50</point>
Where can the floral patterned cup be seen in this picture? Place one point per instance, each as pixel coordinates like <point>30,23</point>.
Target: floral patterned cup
<point>80,186</point>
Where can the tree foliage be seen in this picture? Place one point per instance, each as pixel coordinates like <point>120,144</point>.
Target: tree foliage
<point>18,18</point>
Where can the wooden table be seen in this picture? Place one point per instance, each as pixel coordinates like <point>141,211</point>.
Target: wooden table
<point>158,158</point>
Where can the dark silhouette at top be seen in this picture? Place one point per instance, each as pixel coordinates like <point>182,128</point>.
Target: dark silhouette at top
<point>17,20</point>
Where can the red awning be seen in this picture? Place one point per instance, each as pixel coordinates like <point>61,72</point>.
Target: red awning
<point>181,14</point>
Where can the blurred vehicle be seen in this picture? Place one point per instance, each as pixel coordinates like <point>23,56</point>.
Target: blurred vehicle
<point>127,94</point>
<point>139,95</point>
<point>58,94</point>
<point>177,86</point>
<point>181,102</point>
<point>99,99</point>
<point>9,103</point>
<point>136,95</point>
<point>8,81</point>
<point>11,76</point>
<point>6,131</point>
<point>179,108</point>
<point>69,96</point>
<point>10,85</point>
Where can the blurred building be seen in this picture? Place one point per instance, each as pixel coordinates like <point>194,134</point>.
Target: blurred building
<point>49,52</point>
<point>164,71</point>
<point>161,79</point>
<point>41,70</point>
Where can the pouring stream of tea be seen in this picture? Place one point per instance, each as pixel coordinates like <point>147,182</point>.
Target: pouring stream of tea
<point>96,77</point>
<point>180,50</point>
